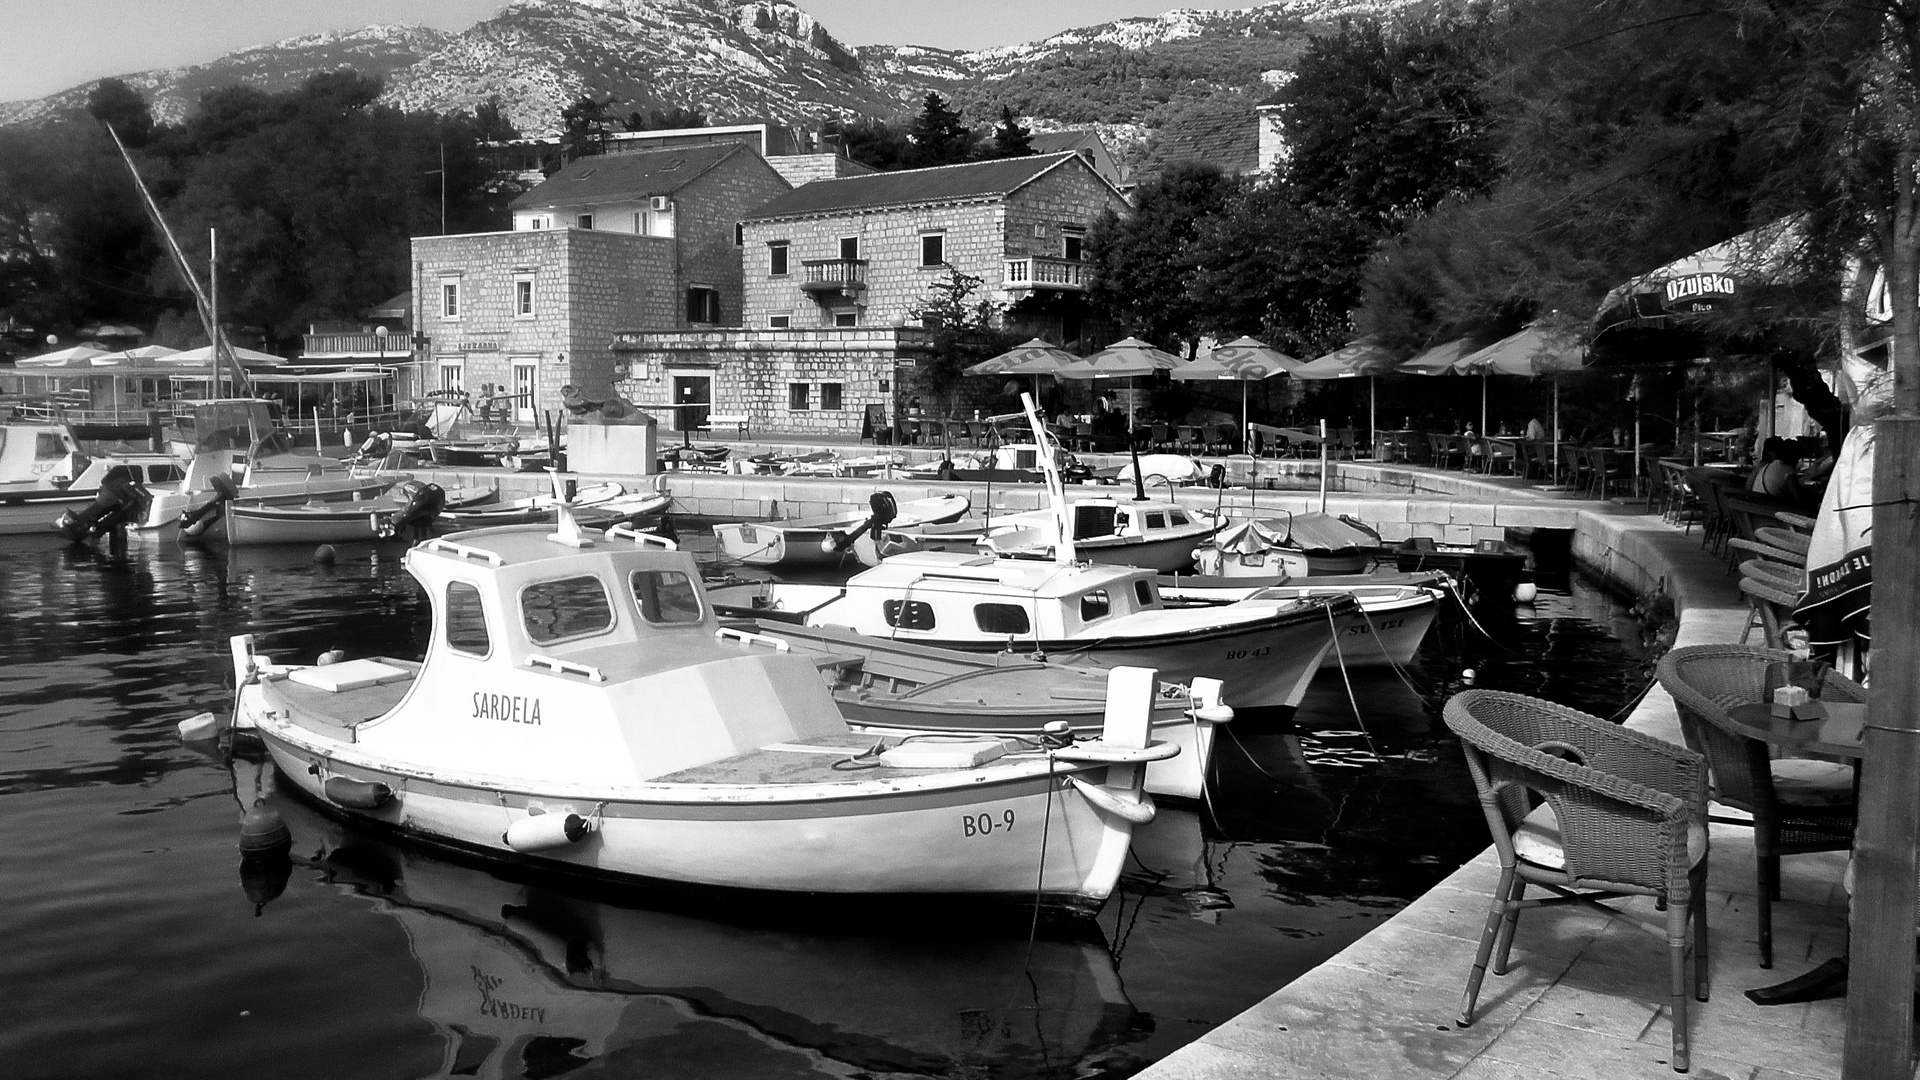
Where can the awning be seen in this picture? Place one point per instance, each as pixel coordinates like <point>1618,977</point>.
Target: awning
<point>280,378</point>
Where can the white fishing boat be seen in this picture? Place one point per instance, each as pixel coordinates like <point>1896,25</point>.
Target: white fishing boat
<point>579,707</point>
<point>545,509</point>
<point>828,539</point>
<point>1291,545</point>
<point>239,454</point>
<point>903,688</point>
<point>1154,534</point>
<point>1389,621</point>
<point>35,509</point>
<point>38,457</point>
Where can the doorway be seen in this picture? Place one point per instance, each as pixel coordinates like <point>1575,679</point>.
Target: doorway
<point>526,378</point>
<point>693,401</point>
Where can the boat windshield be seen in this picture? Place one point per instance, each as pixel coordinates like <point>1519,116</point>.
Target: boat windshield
<point>566,608</point>
<point>666,597</point>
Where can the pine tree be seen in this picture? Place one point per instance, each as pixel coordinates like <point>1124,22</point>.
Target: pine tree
<point>1011,138</point>
<point>940,135</point>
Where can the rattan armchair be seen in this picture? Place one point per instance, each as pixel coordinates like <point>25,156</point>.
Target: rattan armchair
<point>1623,814</point>
<point>1798,805</point>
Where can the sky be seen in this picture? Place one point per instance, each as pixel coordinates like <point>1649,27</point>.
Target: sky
<point>55,44</point>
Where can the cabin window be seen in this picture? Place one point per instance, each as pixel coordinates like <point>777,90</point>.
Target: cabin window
<point>466,620</point>
<point>164,474</point>
<point>47,445</point>
<point>1094,605</point>
<point>1001,619</point>
<point>1156,521</point>
<point>1179,518</point>
<point>1090,522</point>
<point>666,596</point>
<point>908,614</point>
<point>1143,592</point>
<point>567,608</point>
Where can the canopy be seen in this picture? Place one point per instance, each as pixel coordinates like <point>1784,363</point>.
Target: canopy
<point>144,352</point>
<point>1035,357</point>
<point>1121,360</point>
<point>1698,282</point>
<point>1244,359</point>
<point>72,356</point>
<point>1363,357</point>
<point>1438,360</point>
<point>281,378</point>
<point>247,357</point>
<point>1536,350</point>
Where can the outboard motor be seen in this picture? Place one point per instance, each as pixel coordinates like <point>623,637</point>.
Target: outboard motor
<point>196,521</point>
<point>884,511</point>
<point>415,517</point>
<point>122,500</point>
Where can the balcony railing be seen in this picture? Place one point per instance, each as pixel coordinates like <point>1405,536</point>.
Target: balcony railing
<point>1045,272</point>
<point>398,346</point>
<point>834,277</point>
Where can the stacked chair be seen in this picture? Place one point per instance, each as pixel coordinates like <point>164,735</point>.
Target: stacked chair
<point>1587,810</point>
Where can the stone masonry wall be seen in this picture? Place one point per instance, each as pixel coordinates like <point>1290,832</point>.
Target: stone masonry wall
<point>616,281</point>
<point>889,241</point>
<point>805,168</point>
<point>708,211</point>
<point>753,370</point>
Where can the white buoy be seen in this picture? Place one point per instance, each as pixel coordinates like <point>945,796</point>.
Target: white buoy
<point>332,656</point>
<point>204,726</point>
<point>543,831</point>
<point>1469,675</point>
<point>1526,592</point>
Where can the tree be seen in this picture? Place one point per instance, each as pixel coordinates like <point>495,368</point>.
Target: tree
<point>966,330</point>
<point>1011,138</point>
<point>1272,267</point>
<point>940,136</point>
<point>674,117</point>
<point>584,127</point>
<point>113,102</point>
<point>1143,263</point>
<point>873,143</point>
<point>490,122</point>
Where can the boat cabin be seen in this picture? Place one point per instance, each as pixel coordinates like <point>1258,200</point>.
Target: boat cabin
<point>947,595</point>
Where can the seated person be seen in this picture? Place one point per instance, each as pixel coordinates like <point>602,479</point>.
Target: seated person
<point>1775,476</point>
<point>1536,431</point>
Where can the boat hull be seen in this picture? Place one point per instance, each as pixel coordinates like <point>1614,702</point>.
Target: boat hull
<point>323,524</point>
<point>35,511</point>
<point>986,837</point>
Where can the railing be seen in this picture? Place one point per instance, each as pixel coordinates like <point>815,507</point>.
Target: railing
<point>1045,272</point>
<point>398,346</point>
<point>834,275</point>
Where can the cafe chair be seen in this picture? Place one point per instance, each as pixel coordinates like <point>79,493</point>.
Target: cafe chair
<point>1590,811</point>
<point>1798,805</point>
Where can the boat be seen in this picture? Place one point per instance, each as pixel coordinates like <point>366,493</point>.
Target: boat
<point>38,457</point>
<point>1007,463</point>
<point>1391,617</point>
<point>1153,534</point>
<point>397,512</point>
<point>1294,545</point>
<point>1489,570</point>
<point>581,710</point>
<point>902,688</point>
<point>530,510</point>
<point>239,454</point>
<point>36,509</point>
<point>828,539</point>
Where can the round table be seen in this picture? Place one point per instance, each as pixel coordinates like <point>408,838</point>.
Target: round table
<point>1838,735</point>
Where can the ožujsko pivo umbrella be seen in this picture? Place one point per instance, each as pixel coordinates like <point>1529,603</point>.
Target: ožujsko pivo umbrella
<point>1244,360</point>
<point>1123,359</point>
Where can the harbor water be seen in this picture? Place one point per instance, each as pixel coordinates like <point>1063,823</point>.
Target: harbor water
<point>138,945</point>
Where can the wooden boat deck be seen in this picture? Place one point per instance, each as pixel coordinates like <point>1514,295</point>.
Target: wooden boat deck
<point>336,713</point>
<point>804,761</point>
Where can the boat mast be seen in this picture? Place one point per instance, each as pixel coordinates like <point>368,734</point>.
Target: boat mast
<point>242,384</point>
<point>1063,551</point>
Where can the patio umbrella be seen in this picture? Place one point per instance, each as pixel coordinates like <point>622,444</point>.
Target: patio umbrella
<point>72,356</point>
<point>1534,351</point>
<point>1123,359</point>
<point>144,352</point>
<point>1244,360</point>
<point>1365,356</point>
<point>1035,357</point>
<point>204,354</point>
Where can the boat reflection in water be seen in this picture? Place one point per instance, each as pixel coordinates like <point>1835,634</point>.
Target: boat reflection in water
<point>526,980</point>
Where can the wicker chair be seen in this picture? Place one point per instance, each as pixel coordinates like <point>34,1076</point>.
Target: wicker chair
<point>1798,805</point>
<point>1624,814</point>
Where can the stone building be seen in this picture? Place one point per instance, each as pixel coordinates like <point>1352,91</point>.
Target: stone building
<point>611,243</point>
<point>865,251</point>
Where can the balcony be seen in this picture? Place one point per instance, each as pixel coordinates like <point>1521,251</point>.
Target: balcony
<point>355,347</point>
<point>1041,272</point>
<point>827,279</point>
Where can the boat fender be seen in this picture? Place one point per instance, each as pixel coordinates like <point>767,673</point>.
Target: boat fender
<point>198,520</point>
<point>422,506</point>
<point>542,832</point>
<point>201,726</point>
<point>1138,811</point>
<point>262,833</point>
<point>357,794</point>
<point>1526,592</point>
<point>1217,476</point>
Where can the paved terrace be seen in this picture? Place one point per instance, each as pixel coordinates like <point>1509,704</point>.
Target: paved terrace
<point>1585,994</point>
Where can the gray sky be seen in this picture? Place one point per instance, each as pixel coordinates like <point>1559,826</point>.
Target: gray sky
<point>54,44</point>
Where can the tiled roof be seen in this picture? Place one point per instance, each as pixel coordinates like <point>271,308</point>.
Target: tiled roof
<point>1053,142</point>
<point>618,176</point>
<point>1229,140</point>
<point>909,187</point>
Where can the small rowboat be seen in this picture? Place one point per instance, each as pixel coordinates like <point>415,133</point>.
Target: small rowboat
<point>827,540</point>
<point>533,510</point>
<point>580,709</point>
<point>343,520</point>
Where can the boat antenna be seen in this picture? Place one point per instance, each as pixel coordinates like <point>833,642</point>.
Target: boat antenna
<point>222,351</point>
<point>1063,551</point>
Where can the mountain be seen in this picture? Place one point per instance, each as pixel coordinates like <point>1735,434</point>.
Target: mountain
<point>742,60</point>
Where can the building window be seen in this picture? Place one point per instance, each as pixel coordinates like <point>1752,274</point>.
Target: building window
<point>703,304</point>
<point>846,318</point>
<point>933,249</point>
<point>797,395</point>
<point>1072,244</point>
<point>777,259</point>
<point>849,247</point>
<point>452,376</point>
<point>586,221</point>
<point>449,299</point>
<point>739,234</point>
<point>523,297</point>
<point>830,396</point>
<point>780,322</point>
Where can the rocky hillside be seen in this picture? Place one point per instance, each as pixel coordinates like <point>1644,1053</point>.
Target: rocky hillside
<point>738,61</point>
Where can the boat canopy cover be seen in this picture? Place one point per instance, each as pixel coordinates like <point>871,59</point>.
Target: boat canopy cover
<point>1319,532</point>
